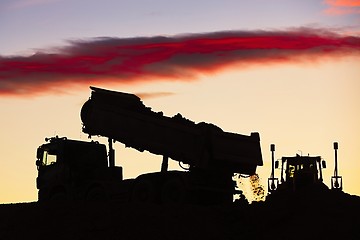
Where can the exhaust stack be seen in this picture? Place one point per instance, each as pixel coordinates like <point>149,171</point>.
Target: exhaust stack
<point>272,181</point>
<point>336,180</point>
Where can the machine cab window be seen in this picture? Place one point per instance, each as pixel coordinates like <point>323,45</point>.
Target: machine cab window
<point>46,157</point>
<point>291,170</point>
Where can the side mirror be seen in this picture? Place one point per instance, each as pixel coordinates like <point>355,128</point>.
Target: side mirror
<point>38,163</point>
<point>39,153</point>
<point>276,164</point>
<point>323,164</point>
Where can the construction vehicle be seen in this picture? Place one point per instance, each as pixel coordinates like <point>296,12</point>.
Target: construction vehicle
<point>70,169</point>
<point>301,173</point>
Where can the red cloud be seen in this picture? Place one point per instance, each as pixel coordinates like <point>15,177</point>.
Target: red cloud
<point>340,7</point>
<point>180,58</point>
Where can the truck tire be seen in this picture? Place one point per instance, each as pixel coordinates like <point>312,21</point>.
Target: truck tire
<point>97,193</point>
<point>58,196</point>
<point>173,191</point>
<point>143,191</point>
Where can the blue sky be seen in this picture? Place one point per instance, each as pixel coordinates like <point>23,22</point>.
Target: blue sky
<point>29,24</point>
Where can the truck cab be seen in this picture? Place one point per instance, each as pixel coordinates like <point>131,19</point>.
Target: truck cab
<point>71,169</point>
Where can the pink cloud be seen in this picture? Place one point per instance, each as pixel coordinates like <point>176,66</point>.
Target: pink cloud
<point>175,58</point>
<point>341,7</point>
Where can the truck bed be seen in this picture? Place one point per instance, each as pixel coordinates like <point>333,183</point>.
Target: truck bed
<point>124,118</point>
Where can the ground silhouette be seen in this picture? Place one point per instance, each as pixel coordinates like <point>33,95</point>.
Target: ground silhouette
<point>304,215</point>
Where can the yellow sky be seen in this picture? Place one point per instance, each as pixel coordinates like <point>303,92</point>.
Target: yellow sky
<point>301,108</point>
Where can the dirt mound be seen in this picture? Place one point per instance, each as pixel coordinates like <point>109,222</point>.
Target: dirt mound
<point>304,215</point>
<point>334,215</point>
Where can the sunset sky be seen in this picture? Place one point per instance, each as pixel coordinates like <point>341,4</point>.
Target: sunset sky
<point>287,69</point>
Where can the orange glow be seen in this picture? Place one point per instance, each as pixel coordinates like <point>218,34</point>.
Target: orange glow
<point>344,3</point>
<point>341,7</point>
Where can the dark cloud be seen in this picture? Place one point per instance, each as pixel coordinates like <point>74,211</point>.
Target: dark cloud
<point>180,58</point>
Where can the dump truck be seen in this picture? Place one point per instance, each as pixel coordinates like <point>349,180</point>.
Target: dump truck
<point>73,169</point>
<point>301,173</point>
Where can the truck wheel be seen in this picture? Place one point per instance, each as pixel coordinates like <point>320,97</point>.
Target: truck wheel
<point>173,191</point>
<point>58,196</point>
<point>96,193</point>
<point>143,191</point>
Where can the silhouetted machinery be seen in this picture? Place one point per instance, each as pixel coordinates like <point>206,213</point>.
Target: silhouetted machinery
<point>301,173</point>
<point>70,169</point>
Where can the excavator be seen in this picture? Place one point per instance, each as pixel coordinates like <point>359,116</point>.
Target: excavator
<point>79,170</point>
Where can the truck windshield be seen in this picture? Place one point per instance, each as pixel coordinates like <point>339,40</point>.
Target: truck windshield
<point>48,159</point>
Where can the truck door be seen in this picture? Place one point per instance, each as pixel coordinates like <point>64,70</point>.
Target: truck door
<point>49,169</point>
